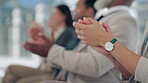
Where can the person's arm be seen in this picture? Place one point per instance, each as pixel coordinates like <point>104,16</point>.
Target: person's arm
<point>124,56</point>
<point>132,62</point>
<point>125,74</point>
<point>95,35</point>
<point>124,32</point>
<point>86,63</point>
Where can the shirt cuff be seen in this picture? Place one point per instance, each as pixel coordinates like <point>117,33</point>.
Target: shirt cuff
<point>141,69</point>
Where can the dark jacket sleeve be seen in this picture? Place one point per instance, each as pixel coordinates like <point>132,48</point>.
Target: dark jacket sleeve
<point>68,39</point>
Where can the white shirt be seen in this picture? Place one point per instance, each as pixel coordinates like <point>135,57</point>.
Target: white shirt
<point>108,11</point>
<point>141,73</point>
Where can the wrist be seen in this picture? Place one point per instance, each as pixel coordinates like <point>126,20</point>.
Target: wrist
<point>106,39</point>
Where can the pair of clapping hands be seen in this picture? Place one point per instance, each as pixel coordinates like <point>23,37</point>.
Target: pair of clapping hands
<point>93,33</point>
<point>39,43</point>
<point>89,31</point>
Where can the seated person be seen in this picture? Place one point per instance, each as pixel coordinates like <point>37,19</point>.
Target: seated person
<point>103,41</point>
<point>62,33</point>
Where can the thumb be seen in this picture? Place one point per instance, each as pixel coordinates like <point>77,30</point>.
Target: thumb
<point>79,26</point>
<point>90,20</point>
<point>107,28</point>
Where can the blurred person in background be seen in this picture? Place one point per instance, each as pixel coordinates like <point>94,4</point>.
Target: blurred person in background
<point>62,33</point>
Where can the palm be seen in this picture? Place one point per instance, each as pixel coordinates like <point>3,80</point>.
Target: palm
<point>39,48</point>
<point>34,32</point>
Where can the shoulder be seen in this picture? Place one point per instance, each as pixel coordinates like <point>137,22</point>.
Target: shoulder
<point>125,17</point>
<point>123,20</point>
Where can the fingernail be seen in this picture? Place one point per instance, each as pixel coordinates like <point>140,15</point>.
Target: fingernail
<point>74,23</point>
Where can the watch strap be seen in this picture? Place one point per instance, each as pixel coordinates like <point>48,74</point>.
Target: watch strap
<point>113,41</point>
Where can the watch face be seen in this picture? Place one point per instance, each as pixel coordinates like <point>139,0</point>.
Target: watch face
<point>109,46</point>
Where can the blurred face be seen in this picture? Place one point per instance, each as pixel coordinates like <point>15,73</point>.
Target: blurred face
<point>81,10</point>
<point>56,18</point>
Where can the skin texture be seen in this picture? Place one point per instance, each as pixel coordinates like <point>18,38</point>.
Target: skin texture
<point>96,35</point>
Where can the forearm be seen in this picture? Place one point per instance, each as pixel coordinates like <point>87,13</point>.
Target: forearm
<point>123,71</point>
<point>125,57</point>
<point>71,61</point>
<point>83,63</point>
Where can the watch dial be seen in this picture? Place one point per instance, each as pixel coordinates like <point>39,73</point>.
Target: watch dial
<point>109,46</point>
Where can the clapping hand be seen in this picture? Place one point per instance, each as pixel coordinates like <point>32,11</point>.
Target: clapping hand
<point>38,43</point>
<point>93,34</point>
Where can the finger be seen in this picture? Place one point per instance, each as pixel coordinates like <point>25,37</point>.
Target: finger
<point>36,27</point>
<point>81,21</point>
<point>81,37</point>
<point>84,42</point>
<point>26,46</point>
<point>79,26</point>
<point>33,31</point>
<point>42,36</point>
<point>86,21</point>
<point>31,46</point>
<point>77,31</point>
<point>90,20</point>
<point>107,28</point>
<point>82,32</point>
<point>78,37</point>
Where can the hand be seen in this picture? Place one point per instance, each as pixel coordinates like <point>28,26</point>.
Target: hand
<point>99,48</point>
<point>33,32</point>
<point>39,48</point>
<point>93,34</point>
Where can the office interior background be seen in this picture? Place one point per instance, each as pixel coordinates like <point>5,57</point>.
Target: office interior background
<point>16,17</point>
